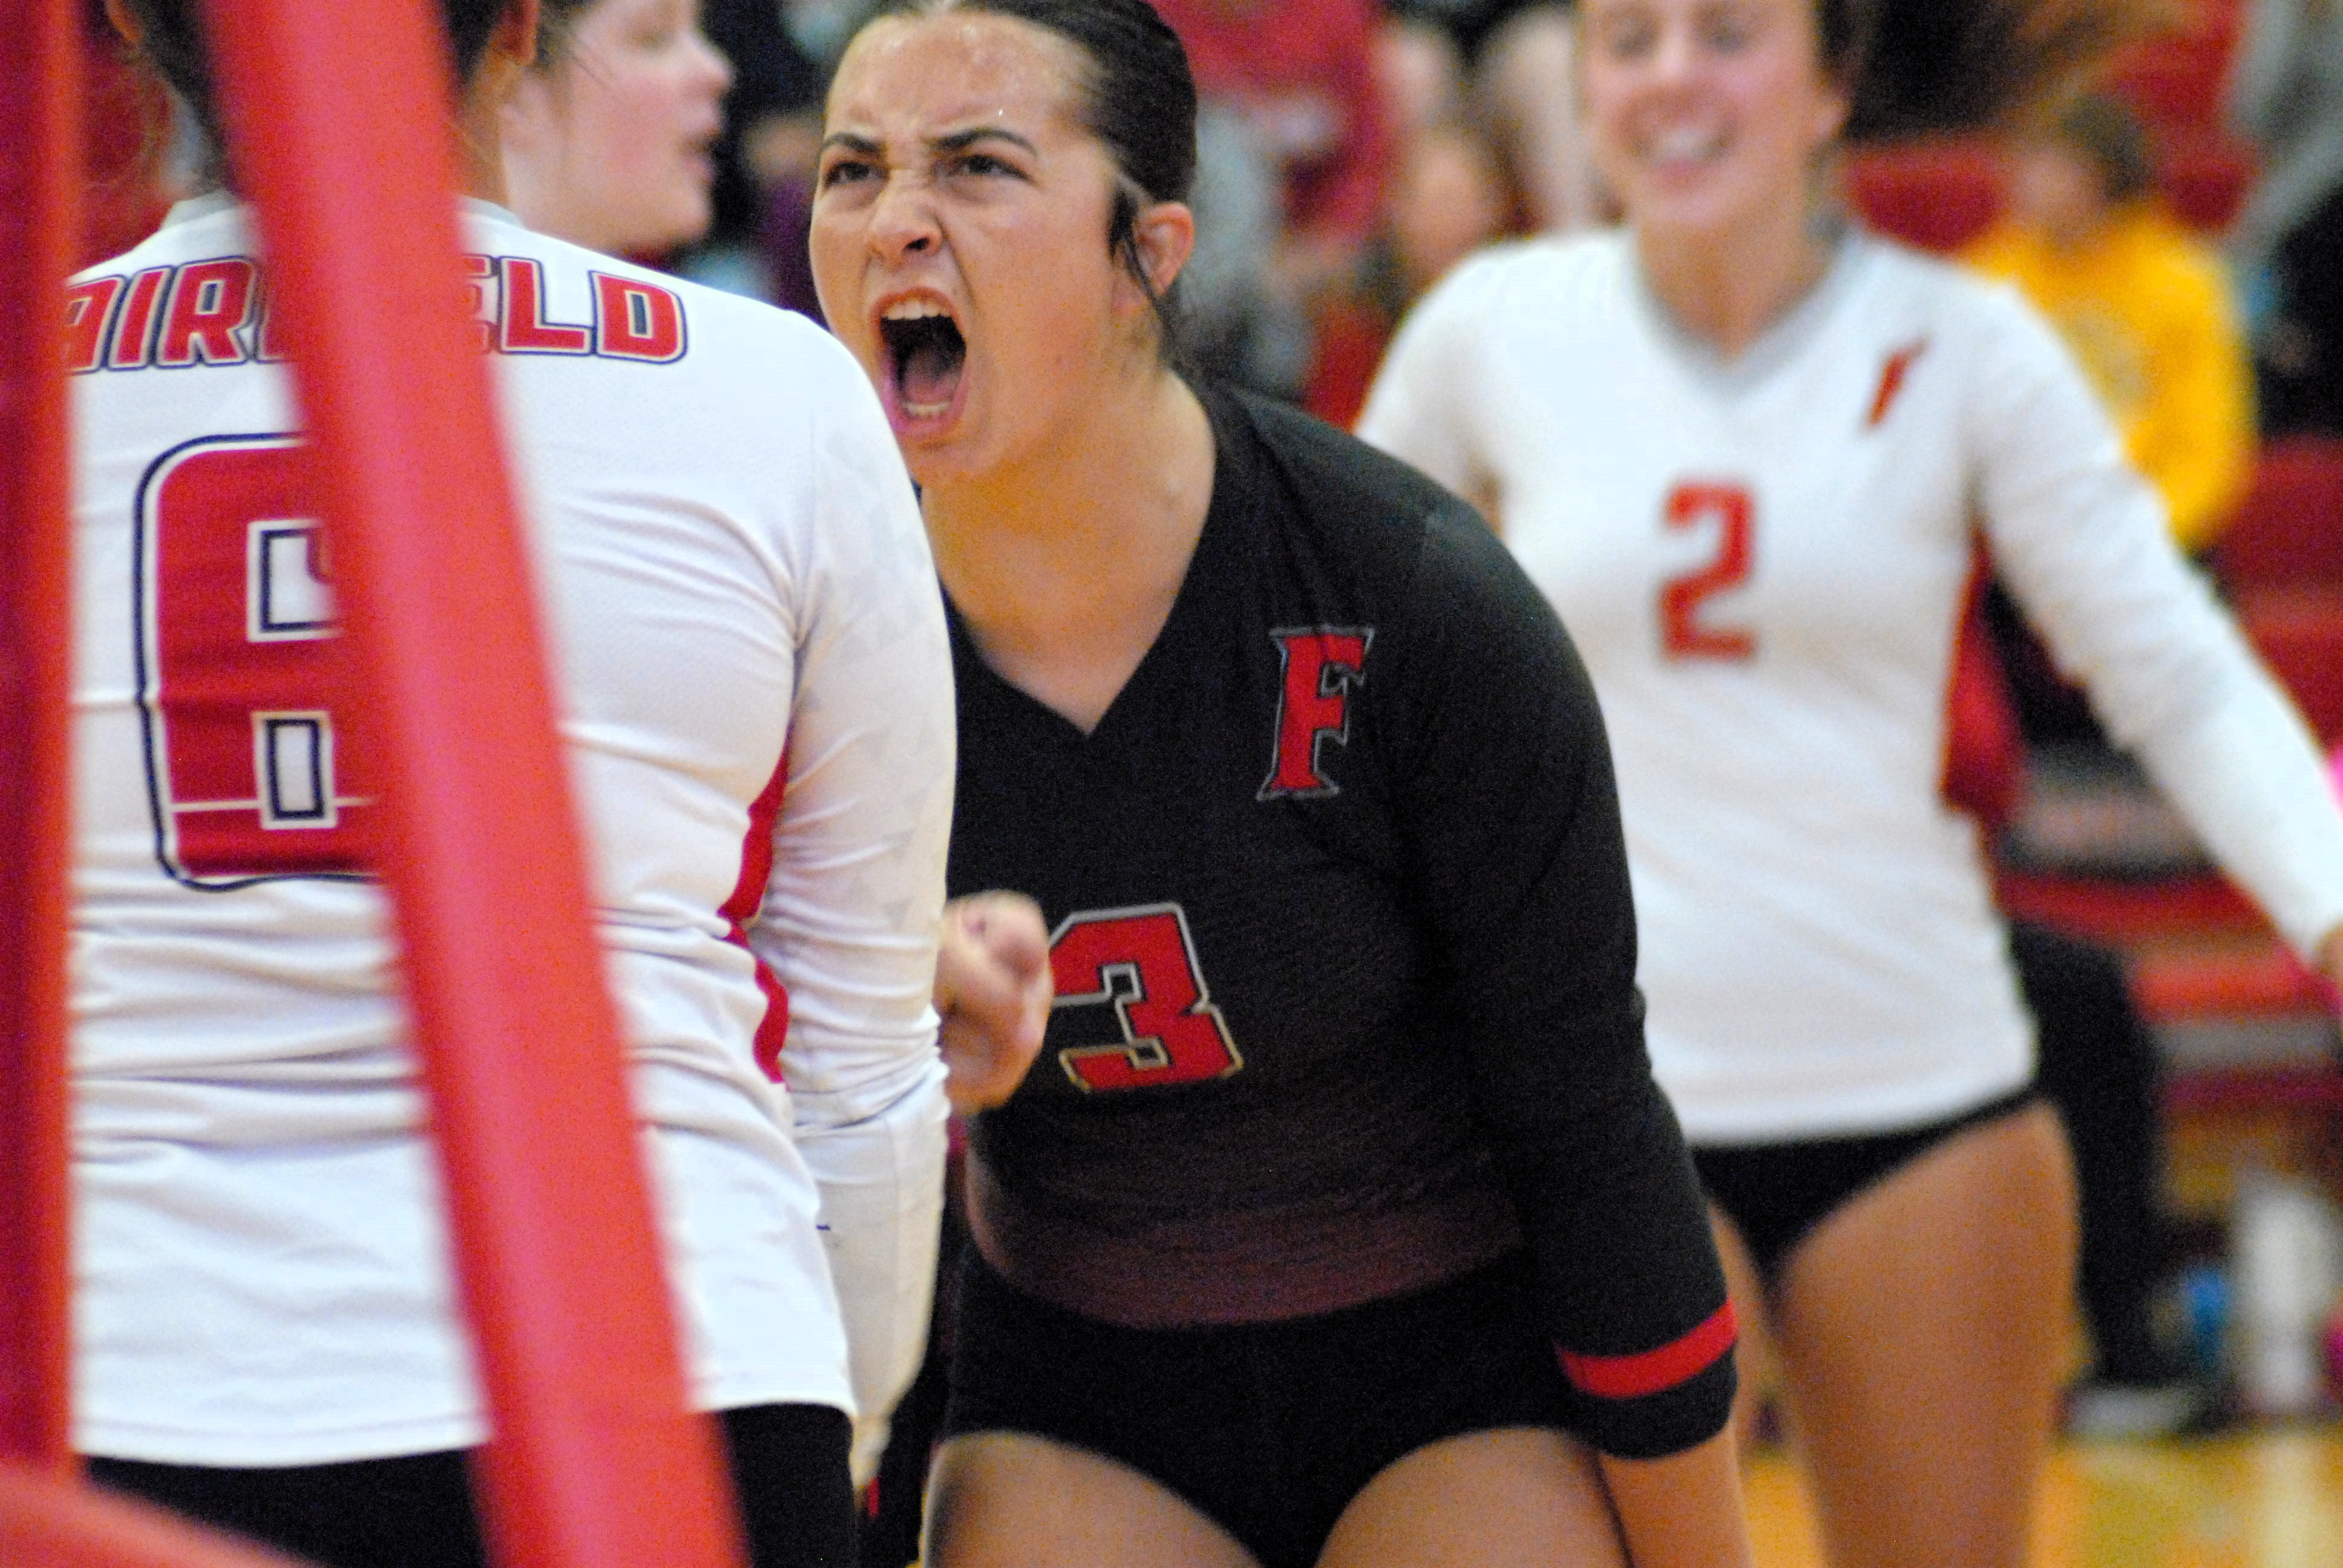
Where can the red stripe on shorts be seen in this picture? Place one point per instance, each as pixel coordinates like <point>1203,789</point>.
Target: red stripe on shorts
<point>1652,1372</point>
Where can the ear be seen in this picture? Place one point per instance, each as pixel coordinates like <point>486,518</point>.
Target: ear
<point>504,65</point>
<point>125,21</point>
<point>515,38</point>
<point>525,117</point>
<point>1166,236</point>
<point>1832,110</point>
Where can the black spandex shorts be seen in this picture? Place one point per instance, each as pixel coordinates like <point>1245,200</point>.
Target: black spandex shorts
<point>789,1467</point>
<point>1268,1429</point>
<point>1774,1193</point>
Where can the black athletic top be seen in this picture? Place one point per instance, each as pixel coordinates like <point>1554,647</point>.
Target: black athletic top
<point>1343,948</point>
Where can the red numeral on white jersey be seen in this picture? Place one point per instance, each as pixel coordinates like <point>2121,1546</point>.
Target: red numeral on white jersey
<point>240,670</point>
<point>1143,962</point>
<point>1682,633</point>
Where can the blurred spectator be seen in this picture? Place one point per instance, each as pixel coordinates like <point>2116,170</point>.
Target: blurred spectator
<point>2145,307</point>
<point>782,52</point>
<point>608,138</point>
<point>1528,81</point>
<point>1467,23</point>
<point>2287,94</point>
<point>1519,57</point>
<point>1419,74</point>
<point>1291,106</point>
<point>1447,199</point>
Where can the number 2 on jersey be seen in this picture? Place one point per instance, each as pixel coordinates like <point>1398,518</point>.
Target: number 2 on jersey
<point>240,670</point>
<point>1684,632</point>
<point>1143,962</point>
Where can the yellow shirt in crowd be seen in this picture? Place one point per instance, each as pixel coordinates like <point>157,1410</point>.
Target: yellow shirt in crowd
<point>2148,310</point>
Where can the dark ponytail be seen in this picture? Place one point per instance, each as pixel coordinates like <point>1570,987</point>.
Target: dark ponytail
<point>1920,68</point>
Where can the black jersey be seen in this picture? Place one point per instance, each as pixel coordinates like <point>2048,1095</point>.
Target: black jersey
<point>1343,948</point>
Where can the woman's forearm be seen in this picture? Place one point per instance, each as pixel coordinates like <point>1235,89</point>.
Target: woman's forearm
<point>1684,1510</point>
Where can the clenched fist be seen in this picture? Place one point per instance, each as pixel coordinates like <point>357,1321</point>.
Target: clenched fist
<point>993,992</point>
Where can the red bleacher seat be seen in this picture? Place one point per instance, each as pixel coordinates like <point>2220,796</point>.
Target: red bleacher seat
<point>2205,179</point>
<point>2299,635</point>
<point>2120,912</point>
<point>2176,79</point>
<point>2288,532</point>
<point>1937,194</point>
<point>2259,981</point>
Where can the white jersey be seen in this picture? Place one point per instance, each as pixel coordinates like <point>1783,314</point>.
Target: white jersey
<point>1762,563</point>
<point>755,686</point>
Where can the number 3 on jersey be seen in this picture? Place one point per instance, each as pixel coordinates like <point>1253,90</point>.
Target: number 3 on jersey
<point>1145,962</point>
<point>240,669</point>
<point>1683,631</point>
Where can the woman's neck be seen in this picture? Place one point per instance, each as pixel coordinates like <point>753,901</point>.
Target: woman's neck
<point>1126,479</point>
<point>1064,566</point>
<point>479,148</point>
<point>1728,290</point>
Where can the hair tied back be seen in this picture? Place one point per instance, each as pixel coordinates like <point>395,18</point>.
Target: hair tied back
<point>1947,66</point>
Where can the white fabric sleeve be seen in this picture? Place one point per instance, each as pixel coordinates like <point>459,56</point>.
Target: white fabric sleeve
<point>1420,408</point>
<point>882,1201</point>
<point>2080,538</point>
<point>853,909</point>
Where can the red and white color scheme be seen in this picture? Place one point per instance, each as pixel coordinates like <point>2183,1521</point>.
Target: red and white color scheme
<point>1762,563</point>
<point>1322,664</point>
<point>733,573</point>
<point>1143,962</point>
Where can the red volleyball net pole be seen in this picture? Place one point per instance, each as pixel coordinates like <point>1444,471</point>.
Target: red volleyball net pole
<point>338,123</point>
<point>40,43</point>
<point>47,1517</point>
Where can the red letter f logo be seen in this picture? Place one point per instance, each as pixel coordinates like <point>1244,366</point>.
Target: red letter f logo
<point>1322,664</point>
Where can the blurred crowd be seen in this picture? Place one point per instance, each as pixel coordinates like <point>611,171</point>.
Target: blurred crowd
<point>1352,151</point>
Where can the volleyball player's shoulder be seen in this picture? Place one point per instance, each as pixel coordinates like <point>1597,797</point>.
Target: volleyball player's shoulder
<point>1965,308</point>
<point>763,373</point>
<point>2009,376</point>
<point>1335,477</point>
<point>1405,538</point>
<point>640,314</point>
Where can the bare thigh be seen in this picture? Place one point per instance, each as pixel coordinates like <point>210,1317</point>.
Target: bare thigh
<point>1520,1497</point>
<point>1011,1500</point>
<point>1922,1330</point>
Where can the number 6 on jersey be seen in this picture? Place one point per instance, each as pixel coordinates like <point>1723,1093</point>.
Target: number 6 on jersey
<point>1143,962</point>
<point>240,669</point>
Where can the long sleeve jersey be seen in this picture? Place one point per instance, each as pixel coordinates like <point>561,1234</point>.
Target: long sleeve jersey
<point>1344,950</point>
<point>751,667</point>
<point>1763,561</point>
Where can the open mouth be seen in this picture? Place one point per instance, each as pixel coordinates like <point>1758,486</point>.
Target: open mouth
<point>1684,148</point>
<point>925,355</point>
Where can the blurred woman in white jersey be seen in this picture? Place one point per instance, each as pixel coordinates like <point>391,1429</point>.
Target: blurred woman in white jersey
<point>749,660</point>
<point>1745,449</point>
<point>606,139</point>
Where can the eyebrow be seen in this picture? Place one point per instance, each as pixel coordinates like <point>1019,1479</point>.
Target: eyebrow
<point>957,141</point>
<point>961,141</point>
